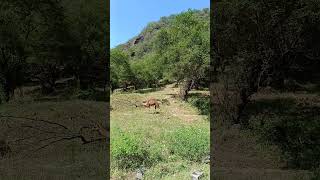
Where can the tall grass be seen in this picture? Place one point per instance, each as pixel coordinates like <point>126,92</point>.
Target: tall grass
<point>190,143</point>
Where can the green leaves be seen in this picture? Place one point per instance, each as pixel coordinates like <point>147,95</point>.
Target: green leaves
<point>187,44</point>
<point>190,143</point>
<point>119,68</point>
<point>175,48</point>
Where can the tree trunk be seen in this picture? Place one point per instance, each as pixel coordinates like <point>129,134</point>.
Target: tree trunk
<point>184,90</point>
<point>244,96</point>
<point>46,88</point>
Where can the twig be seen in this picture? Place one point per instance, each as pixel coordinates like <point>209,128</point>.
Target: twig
<point>94,140</point>
<point>32,119</point>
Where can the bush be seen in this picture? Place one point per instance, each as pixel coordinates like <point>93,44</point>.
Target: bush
<point>93,95</point>
<point>298,139</point>
<point>126,151</point>
<point>201,103</point>
<point>190,143</point>
<point>129,151</point>
<point>316,174</point>
<point>292,126</point>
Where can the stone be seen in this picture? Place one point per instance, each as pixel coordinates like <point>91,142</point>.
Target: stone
<point>206,159</point>
<point>140,173</point>
<point>196,175</point>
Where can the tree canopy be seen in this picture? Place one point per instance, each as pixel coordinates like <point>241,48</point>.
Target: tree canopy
<point>44,41</point>
<point>174,49</point>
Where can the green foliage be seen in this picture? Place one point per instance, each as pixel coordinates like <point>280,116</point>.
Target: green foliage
<point>147,71</point>
<point>50,40</point>
<point>201,103</point>
<point>12,51</point>
<point>292,126</point>
<point>190,143</point>
<point>120,69</point>
<point>298,139</point>
<point>184,46</point>
<point>174,48</point>
<point>265,43</point>
<point>93,95</point>
<point>128,151</point>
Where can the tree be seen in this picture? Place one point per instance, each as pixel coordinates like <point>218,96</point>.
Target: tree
<point>12,51</point>
<point>264,42</point>
<point>184,46</point>
<point>87,22</point>
<point>121,74</point>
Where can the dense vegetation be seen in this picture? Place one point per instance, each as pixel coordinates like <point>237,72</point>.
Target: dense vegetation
<point>53,69</point>
<point>44,41</point>
<point>261,46</point>
<point>176,48</point>
<point>173,141</point>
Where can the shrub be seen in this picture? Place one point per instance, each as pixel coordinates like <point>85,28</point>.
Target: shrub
<point>129,151</point>
<point>201,103</point>
<point>316,174</point>
<point>292,126</point>
<point>126,151</point>
<point>299,140</point>
<point>190,143</point>
<point>93,95</point>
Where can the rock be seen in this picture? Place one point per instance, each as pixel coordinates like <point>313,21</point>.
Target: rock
<point>140,173</point>
<point>139,39</point>
<point>196,175</point>
<point>206,160</point>
<point>139,176</point>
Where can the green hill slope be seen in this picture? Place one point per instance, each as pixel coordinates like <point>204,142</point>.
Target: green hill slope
<point>143,43</point>
<point>175,48</point>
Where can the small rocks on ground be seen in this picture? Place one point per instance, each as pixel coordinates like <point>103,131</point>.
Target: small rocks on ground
<point>206,159</point>
<point>140,173</point>
<point>196,175</point>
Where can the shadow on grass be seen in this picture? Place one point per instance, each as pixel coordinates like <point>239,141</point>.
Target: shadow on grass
<point>148,90</point>
<point>94,95</point>
<point>291,124</point>
<point>201,102</point>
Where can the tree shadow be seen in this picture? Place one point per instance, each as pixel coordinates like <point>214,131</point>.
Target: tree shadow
<point>148,90</point>
<point>290,123</point>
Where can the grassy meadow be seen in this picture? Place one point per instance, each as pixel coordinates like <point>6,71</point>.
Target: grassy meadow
<point>169,142</point>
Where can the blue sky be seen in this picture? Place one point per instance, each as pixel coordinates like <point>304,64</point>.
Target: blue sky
<point>129,17</point>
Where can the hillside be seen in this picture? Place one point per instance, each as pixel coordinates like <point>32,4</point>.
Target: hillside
<point>142,44</point>
<point>169,142</point>
<point>165,51</point>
